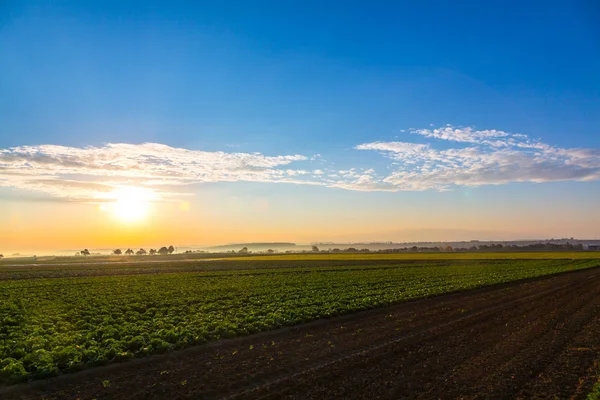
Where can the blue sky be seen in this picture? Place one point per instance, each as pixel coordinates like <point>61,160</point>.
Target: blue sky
<point>310,78</point>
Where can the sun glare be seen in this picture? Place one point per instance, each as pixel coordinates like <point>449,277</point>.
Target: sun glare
<point>131,204</point>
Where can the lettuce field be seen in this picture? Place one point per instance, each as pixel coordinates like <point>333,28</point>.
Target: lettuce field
<point>55,320</point>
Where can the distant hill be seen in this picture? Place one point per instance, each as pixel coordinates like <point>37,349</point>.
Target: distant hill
<point>281,246</point>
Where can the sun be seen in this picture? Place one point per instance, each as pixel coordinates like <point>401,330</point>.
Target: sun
<point>131,204</point>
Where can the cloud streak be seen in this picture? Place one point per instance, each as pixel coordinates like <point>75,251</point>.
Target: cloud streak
<point>491,157</point>
<point>476,158</point>
<point>92,173</point>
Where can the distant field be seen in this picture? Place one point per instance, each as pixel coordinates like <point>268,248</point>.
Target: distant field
<point>124,265</point>
<point>63,318</point>
<point>108,258</point>
<point>504,255</point>
<point>518,255</point>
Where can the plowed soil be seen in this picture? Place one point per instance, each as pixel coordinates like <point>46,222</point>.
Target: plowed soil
<point>530,339</point>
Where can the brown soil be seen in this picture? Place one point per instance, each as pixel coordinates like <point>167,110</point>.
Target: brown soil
<point>531,339</point>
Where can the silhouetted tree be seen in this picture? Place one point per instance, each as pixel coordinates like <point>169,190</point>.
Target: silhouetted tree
<point>117,252</point>
<point>163,251</point>
<point>270,251</point>
<point>152,252</point>
<point>171,249</point>
<point>85,252</point>
<point>1,255</point>
<point>141,252</point>
<point>129,252</point>
<point>315,249</point>
<point>243,250</point>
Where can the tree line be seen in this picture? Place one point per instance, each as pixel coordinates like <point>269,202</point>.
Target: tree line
<point>540,246</point>
<point>141,252</point>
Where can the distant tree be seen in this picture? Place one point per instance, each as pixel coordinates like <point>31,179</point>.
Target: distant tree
<point>315,249</point>
<point>77,254</point>
<point>270,251</point>
<point>85,252</point>
<point>152,252</point>
<point>117,252</point>
<point>1,255</point>
<point>243,250</point>
<point>171,249</point>
<point>129,252</point>
<point>141,252</point>
<point>163,251</point>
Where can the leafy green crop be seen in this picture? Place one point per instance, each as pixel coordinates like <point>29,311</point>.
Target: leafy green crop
<point>62,324</point>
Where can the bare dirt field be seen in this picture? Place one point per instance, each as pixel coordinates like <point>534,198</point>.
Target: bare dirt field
<point>538,338</point>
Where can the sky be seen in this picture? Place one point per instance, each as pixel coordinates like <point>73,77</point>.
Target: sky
<point>133,123</point>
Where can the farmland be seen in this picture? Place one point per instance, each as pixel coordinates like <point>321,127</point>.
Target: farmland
<point>534,255</point>
<point>58,319</point>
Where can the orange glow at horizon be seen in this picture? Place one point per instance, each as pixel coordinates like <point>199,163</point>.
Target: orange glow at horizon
<point>138,218</point>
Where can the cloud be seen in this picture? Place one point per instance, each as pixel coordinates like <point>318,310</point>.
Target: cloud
<point>491,158</point>
<point>92,173</point>
<point>477,157</point>
<point>396,147</point>
<point>467,135</point>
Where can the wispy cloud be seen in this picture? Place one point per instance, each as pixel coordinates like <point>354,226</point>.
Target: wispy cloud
<point>88,174</point>
<point>478,157</point>
<point>491,157</point>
